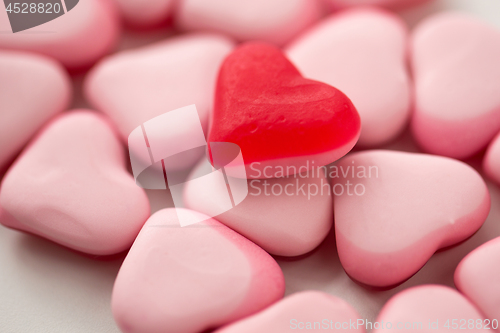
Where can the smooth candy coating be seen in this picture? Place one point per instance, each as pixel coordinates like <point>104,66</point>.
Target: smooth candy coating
<point>71,186</point>
<point>392,4</point>
<point>132,87</point>
<point>32,90</point>
<point>477,277</point>
<point>189,279</point>
<point>491,161</point>
<point>299,312</point>
<point>274,21</point>
<point>282,224</point>
<point>457,84</point>
<point>433,306</point>
<point>77,39</point>
<point>362,52</point>
<point>145,13</point>
<point>5,218</point>
<point>278,118</point>
<point>407,207</point>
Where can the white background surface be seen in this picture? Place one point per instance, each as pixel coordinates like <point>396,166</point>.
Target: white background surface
<point>45,288</point>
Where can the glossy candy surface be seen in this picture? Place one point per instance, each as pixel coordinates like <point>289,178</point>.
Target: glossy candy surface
<point>277,117</point>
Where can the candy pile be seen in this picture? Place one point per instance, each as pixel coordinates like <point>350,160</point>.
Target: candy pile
<point>296,85</point>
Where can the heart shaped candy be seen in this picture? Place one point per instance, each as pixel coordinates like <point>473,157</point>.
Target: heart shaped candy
<point>190,279</point>
<point>301,311</point>
<point>33,89</point>
<point>363,53</point>
<point>279,119</point>
<point>477,277</point>
<point>392,4</point>
<point>457,84</point>
<point>77,39</point>
<point>393,210</point>
<point>133,87</point>
<point>491,161</point>
<point>287,216</point>
<point>429,308</point>
<point>71,186</point>
<point>274,21</point>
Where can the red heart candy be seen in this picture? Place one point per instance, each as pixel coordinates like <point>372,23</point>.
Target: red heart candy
<point>277,117</point>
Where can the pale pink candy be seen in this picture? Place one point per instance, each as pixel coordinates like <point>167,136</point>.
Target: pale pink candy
<point>145,13</point>
<point>6,219</point>
<point>478,276</point>
<point>300,311</point>
<point>393,4</point>
<point>457,84</point>
<point>283,223</point>
<point>362,52</point>
<point>189,279</point>
<point>133,87</point>
<point>32,90</point>
<point>491,162</point>
<point>77,39</point>
<point>274,21</point>
<point>428,308</point>
<point>71,186</point>
<point>406,208</point>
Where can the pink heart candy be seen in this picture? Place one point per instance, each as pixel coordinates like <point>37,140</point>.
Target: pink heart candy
<point>71,186</point>
<point>477,277</point>
<point>398,208</point>
<point>145,14</point>
<point>133,87</point>
<point>287,216</point>
<point>274,21</point>
<point>428,308</point>
<point>491,161</point>
<point>393,4</point>
<point>361,52</point>
<point>32,90</point>
<point>311,311</point>
<point>76,39</point>
<point>190,279</point>
<point>457,84</point>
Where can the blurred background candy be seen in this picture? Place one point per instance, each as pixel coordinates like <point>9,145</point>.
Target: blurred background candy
<point>457,84</point>
<point>77,39</point>
<point>33,89</point>
<point>362,52</point>
<point>146,14</point>
<point>134,86</point>
<point>275,21</point>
